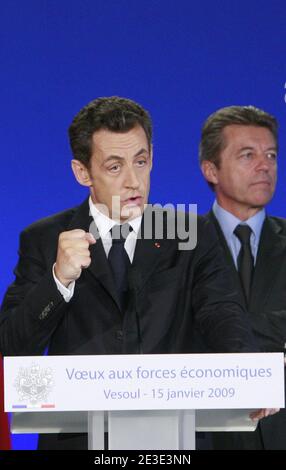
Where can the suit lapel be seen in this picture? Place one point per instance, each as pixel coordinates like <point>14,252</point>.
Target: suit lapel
<point>272,247</point>
<point>99,266</point>
<point>223,242</point>
<point>146,258</point>
<point>227,252</point>
<point>149,251</point>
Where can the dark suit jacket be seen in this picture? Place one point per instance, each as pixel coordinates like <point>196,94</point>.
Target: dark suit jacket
<point>170,290</point>
<point>267,307</point>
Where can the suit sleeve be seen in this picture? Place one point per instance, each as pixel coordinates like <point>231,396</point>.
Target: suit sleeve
<point>270,330</point>
<point>32,307</point>
<point>219,315</point>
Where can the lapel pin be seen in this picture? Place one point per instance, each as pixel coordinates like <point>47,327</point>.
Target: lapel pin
<point>157,245</point>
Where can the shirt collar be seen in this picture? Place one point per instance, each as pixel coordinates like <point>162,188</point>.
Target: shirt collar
<point>228,221</point>
<point>105,224</point>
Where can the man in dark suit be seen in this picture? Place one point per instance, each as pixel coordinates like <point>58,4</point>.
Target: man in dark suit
<point>238,157</point>
<point>82,289</point>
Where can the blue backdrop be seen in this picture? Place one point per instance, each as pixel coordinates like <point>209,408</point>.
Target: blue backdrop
<point>181,59</point>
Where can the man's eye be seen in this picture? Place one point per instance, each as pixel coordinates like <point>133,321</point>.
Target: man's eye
<point>247,155</point>
<point>141,162</point>
<point>271,156</point>
<point>114,168</point>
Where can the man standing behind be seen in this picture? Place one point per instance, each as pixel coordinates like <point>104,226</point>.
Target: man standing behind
<point>238,157</point>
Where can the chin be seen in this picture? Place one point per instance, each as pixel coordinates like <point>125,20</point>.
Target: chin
<point>261,198</point>
<point>259,203</point>
<point>131,212</point>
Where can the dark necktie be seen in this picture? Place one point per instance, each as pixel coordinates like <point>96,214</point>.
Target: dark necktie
<point>119,261</point>
<point>245,259</point>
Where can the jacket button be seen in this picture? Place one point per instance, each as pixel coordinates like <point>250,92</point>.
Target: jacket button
<point>119,335</point>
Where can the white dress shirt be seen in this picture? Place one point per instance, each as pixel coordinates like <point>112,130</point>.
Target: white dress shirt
<point>104,225</point>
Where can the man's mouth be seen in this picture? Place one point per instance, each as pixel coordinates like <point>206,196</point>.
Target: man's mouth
<point>264,182</point>
<point>133,201</point>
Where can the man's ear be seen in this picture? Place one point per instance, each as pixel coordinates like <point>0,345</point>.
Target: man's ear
<point>81,173</point>
<point>209,170</point>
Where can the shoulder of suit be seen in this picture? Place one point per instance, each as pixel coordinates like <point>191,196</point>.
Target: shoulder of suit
<point>185,218</point>
<point>205,221</point>
<point>59,220</point>
<point>278,222</point>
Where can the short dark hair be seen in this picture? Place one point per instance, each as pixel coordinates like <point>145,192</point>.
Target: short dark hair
<point>113,113</point>
<point>212,140</point>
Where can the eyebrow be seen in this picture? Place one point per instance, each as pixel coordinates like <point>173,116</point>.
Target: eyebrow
<point>249,147</point>
<point>118,157</point>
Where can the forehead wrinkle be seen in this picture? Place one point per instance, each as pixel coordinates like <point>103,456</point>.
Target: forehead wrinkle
<point>119,157</point>
<point>116,148</point>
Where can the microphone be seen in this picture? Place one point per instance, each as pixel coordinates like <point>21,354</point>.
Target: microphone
<point>134,280</point>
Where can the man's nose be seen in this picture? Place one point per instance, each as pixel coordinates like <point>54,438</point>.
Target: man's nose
<point>131,179</point>
<point>263,162</point>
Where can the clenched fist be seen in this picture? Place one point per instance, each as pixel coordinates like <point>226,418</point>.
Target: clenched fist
<point>73,255</point>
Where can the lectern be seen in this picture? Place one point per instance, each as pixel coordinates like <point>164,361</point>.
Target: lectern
<point>143,402</point>
<point>139,430</point>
